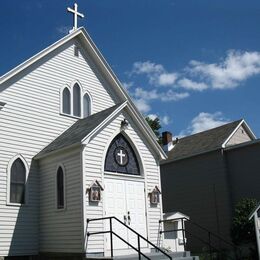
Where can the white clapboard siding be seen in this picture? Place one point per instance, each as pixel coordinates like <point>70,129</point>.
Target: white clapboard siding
<point>29,121</point>
<point>94,159</point>
<point>61,230</point>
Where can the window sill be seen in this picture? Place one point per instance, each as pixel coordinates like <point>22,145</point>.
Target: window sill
<point>69,115</point>
<point>15,204</point>
<point>61,209</point>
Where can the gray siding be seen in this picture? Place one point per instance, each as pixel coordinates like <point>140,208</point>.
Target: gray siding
<point>244,170</point>
<point>61,230</point>
<point>198,187</point>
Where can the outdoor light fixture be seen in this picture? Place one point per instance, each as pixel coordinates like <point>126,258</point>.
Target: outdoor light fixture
<point>124,124</point>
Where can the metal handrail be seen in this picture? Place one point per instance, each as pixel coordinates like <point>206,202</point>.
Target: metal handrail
<point>113,233</point>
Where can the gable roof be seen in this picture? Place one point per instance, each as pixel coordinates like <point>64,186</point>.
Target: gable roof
<point>78,131</point>
<point>83,37</point>
<point>206,141</point>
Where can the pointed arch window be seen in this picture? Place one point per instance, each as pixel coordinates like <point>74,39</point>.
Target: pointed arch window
<point>66,101</point>
<point>76,100</point>
<point>121,157</point>
<point>17,182</point>
<point>86,105</point>
<point>60,181</point>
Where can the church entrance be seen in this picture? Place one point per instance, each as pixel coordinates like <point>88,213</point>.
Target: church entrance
<point>125,199</point>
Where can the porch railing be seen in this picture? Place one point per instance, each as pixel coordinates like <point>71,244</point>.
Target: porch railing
<point>113,233</point>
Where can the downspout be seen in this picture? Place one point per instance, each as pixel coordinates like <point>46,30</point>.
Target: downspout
<point>229,184</point>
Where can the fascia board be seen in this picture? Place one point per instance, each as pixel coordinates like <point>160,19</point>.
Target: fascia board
<point>38,56</point>
<point>249,131</point>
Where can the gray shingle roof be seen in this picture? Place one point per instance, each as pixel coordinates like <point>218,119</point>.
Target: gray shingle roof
<point>201,142</point>
<point>78,131</point>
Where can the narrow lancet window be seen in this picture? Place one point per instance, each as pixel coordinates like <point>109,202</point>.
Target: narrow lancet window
<point>86,105</point>
<point>66,106</point>
<point>76,100</point>
<point>17,182</point>
<point>60,189</point>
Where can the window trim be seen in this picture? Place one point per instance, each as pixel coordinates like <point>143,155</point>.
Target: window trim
<point>76,84</point>
<point>60,165</point>
<point>8,203</point>
<point>90,105</point>
<point>61,99</point>
<point>127,135</point>
<point>82,94</point>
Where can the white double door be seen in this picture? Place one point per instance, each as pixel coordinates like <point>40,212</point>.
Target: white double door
<point>125,200</point>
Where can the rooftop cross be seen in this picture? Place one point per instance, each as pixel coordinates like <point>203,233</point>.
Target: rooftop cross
<point>76,14</point>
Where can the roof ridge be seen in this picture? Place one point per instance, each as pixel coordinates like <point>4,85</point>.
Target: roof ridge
<point>211,129</point>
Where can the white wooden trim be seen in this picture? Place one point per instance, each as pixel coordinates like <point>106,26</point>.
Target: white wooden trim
<point>26,199</point>
<point>64,186</point>
<point>61,99</point>
<point>86,92</point>
<point>86,139</point>
<point>249,131</point>
<point>72,85</point>
<point>84,219</point>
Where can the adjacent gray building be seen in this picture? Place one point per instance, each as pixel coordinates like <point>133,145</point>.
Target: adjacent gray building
<point>207,173</point>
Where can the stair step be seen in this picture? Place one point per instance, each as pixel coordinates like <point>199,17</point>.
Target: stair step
<point>152,256</point>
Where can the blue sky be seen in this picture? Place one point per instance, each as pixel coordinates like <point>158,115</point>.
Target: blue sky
<point>193,63</point>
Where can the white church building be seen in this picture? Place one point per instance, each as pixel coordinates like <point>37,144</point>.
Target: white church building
<point>75,151</point>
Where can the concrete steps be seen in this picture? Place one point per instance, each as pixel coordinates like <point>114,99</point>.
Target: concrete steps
<point>152,256</point>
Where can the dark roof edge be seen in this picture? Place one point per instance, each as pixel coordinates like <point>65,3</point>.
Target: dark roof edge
<point>66,148</point>
<point>190,156</point>
<point>236,146</point>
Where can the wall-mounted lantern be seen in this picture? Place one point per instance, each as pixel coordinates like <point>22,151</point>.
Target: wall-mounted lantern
<point>124,124</point>
<point>94,191</point>
<point>155,196</point>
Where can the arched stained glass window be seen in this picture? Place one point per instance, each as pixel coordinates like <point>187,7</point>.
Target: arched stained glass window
<point>121,157</point>
<point>60,189</point>
<point>76,100</point>
<point>86,105</point>
<point>66,106</point>
<point>17,182</point>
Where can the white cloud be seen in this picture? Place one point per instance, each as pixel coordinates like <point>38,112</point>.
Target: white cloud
<point>153,94</point>
<point>142,105</point>
<point>204,121</point>
<point>128,85</point>
<point>147,67</point>
<point>232,71</point>
<point>152,116</point>
<point>165,120</point>
<point>156,73</point>
<point>166,79</point>
<point>192,85</point>
<point>63,29</point>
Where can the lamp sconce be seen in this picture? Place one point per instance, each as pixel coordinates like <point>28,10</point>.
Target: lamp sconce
<point>155,196</point>
<point>124,124</point>
<point>94,191</point>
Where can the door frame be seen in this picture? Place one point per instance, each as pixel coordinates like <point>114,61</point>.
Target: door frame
<point>124,177</point>
<point>142,177</point>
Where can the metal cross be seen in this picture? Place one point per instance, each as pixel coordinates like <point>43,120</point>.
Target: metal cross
<point>121,155</point>
<point>76,14</point>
